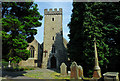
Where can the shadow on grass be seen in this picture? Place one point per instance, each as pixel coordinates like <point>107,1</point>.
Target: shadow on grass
<point>12,74</point>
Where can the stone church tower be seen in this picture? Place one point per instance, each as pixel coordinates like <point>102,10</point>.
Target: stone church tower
<point>54,49</point>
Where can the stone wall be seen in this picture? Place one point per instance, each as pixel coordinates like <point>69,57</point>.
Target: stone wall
<point>37,55</point>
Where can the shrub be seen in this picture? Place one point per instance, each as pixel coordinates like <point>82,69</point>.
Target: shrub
<point>28,68</point>
<point>13,69</point>
<point>4,63</point>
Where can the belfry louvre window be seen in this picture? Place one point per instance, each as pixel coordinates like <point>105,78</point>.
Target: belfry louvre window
<point>52,28</point>
<point>53,49</point>
<point>52,19</point>
<point>32,50</point>
<point>53,38</point>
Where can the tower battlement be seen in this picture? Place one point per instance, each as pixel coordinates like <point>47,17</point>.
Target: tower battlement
<point>53,12</point>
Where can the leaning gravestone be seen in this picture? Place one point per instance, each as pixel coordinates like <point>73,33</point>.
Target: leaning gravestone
<point>80,71</point>
<point>63,69</point>
<point>74,71</point>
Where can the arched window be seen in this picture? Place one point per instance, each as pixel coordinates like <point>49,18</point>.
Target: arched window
<point>32,50</point>
<point>53,49</point>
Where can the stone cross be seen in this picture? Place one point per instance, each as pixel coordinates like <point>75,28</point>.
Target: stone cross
<point>63,69</point>
<point>45,52</point>
<point>9,64</point>
<point>80,71</point>
<point>74,71</point>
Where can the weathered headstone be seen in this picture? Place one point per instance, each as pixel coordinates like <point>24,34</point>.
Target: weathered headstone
<point>80,71</point>
<point>74,71</point>
<point>63,69</point>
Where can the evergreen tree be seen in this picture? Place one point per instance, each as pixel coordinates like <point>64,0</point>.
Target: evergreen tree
<point>94,20</point>
<point>19,20</point>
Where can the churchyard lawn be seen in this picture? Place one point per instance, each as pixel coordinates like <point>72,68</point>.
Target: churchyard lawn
<point>45,74</point>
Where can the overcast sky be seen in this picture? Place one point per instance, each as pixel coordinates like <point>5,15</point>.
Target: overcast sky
<point>67,11</point>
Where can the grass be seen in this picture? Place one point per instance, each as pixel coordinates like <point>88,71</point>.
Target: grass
<point>35,75</point>
<point>59,76</point>
<point>49,75</point>
<point>85,78</point>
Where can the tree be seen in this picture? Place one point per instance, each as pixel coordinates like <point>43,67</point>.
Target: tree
<point>19,20</point>
<point>94,20</point>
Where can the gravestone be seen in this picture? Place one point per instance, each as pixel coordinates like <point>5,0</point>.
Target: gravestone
<point>9,64</point>
<point>63,69</point>
<point>80,71</point>
<point>111,76</point>
<point>74,71</point>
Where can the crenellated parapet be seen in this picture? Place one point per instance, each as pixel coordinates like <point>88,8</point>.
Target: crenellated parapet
<point>53,12</point>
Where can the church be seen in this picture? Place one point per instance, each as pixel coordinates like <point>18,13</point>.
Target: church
<point>53,51</point>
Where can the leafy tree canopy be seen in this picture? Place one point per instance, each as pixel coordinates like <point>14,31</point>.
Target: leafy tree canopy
<point>95,20</point>
<point>19,20</point>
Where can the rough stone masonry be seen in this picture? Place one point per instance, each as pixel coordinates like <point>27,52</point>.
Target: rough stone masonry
<point>53,39</point>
